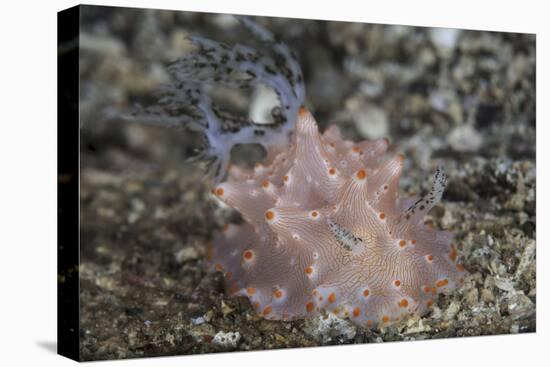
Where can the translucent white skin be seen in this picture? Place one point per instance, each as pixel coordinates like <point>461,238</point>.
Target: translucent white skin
<point>326,231</point>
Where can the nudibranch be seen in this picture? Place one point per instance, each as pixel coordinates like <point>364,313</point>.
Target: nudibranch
<point>325,231</point>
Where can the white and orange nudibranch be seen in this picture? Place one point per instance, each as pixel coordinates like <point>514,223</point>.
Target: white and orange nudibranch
<point>326,231</point>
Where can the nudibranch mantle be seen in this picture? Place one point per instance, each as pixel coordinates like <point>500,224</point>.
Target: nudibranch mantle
<point>325,231</point>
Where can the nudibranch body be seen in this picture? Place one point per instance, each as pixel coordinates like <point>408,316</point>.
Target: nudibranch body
<point>325,231</point>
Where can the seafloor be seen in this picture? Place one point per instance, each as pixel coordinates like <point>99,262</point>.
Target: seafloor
<point>463,99</point>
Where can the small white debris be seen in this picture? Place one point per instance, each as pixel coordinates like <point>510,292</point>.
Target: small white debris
<point>444,39</point>
<point>371,122</point>
<point>186,254</point>
<point>198,320</point>
<point>465,138</point>
<point>327,328</point>
<point>227,340</point>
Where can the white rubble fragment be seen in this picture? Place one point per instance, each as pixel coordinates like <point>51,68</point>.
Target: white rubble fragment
<point>465,138</point>
<point>372,123</point>
<point>227,340</point>
<point>444,39</point>
<point>326,328</point>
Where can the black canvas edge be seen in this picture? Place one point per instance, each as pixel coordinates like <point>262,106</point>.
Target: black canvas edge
<point>68,208</point>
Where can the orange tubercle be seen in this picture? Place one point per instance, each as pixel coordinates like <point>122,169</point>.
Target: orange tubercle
<point>267,310</point>
<point>332,297</point>
<point>332,171</point>
<point>269,215</point>
<point>309,270</point>
<point>402,243</point>
<point>278,293</point>
<point>397,283</point>
<point>403,303</point>
<point>356,312</point>
<point>382,215</point>
<point>441,283</point>
<point>309,306</point>
<point>302,111</point>
<point>219,191</point>
<point>361,174</point>
<point>366,293</point>
<point>247,255</point>
<point>250,291</point>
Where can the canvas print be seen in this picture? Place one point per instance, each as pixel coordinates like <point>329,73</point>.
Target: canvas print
<point>254,183</point>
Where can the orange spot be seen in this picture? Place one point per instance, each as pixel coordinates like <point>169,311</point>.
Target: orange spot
<point>248,255</point>
<point>429,258</point>
<point>309,270</point>
<point>228,275</point>
<point>356,312</point>
<point>256,304</point>
<point>397,283</point>
<point>369,323</point>
<point>429,303</point>
<point>426,289</point>
<point>278,293</point>
<point>285,179</point>
<point>332,297</point>
<point>361,174</point>
<point>441,283</point>
<point>267,310</point>
<point>460,267</point>
<point>218,267</point>
<point>366,293</point>
<point>332,145</point>
<point>314,214</point>
<point>219,191</point>
<point>269,215</point>
<point>309,306</point>
<point>385,319</point>
<point>402,243</point>
<point>453,255</point>
<point>386,187</point>
<point>356,149</point>
<point>382,215</point>
<point>302,111</point>
<point>250,291</point>
<point>403,303</point>
<point>265,184</point>
<point>413,242</point>
<point>332,171</point>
